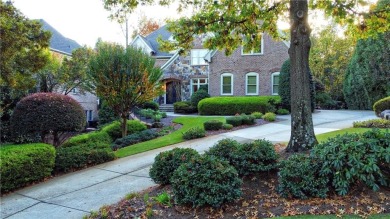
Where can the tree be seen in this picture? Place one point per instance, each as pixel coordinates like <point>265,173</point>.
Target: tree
<point>240,22</point>
<point>45,114</point>
<point>329,59</point>
<point>124,78</point>
<point>145,26</point>
<point>22,53</point>
<point>47,77</point>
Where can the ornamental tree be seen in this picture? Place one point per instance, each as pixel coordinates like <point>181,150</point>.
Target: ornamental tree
<point>240,22</point>
<point>45,114</point>
<point>124,78</point>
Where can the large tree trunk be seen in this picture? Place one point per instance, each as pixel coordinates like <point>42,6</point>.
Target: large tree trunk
<point>124,125</point>
<point>302,130</point>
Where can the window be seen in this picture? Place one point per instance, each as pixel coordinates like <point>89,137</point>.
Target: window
<point>197,56</point>
<point>74,91</point>
<point>258,51</point>
<point>196,83</point>
<point>275,83</point>
<point>89,115</point>
<point>227,84</point>
<point>252,84</point>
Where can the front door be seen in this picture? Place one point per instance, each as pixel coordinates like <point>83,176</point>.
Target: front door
<point>172,92</point>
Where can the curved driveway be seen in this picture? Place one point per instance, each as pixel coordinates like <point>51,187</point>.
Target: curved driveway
<point>76,194</point>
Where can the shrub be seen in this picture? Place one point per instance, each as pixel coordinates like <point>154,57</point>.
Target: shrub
<point>114,128</point>
<point>212,125</point>
<point>183,107</point>
<point>198,96</point>
<point>325,101</point>
<point>254,157</point>
<point>157,117</point>
<point>205,181</point>
<point>372,123</point>
<point>227,126</point>
<point>91,137</point>
<point>270,117</point>
<point>381,105</point>
<point>135,138</point>
<point>234,105</point>
<point>224,149</point>
<point>106,114</point>
<point>234,120</point>
<point>353,158</point>
<point>23,164</point>
<point>282,112</point>
<point>165,163</point>
<point>150,105</point>
<point>248,119</point>
<point>45,113</point>
<point>147,113</point>
<point>257,115</point>
<point>195,132</point>
<point>299,177</point>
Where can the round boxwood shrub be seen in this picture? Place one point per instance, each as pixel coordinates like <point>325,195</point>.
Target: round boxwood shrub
<point>257,115</point>
<point>184,107</point>
<point>195,132</point>
<point>282,112</point>
<point>227,126</point>
<point>165,163</point>
<point>24,164</point>
<point>299,177</point>
<point>212,125</point>
<point>381,105</point>
<point>234,120</point>
<point>114,129</point>
<point>270,117</point>
<point>45,113</point>
<point>150,105</point>
<point>204,181</point>
<point>224,149</point>
<point>198,96</point>
<point>248,119</point>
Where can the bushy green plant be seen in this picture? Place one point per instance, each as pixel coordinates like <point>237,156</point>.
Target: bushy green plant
<point>325,101</point>
<point>224,149</point>
<point>381,105</point>
<point>257,115</point>
<point>299,177</point>
<point>150,105</point>
<point>106,114</point>
<point>184,107</point>
<point>234,105</point>
<point>372,123</point>
<point>212,125</point>
<point>24,164</point>
<point>135,138</point>
<point>91,137</point>
<point>195,132</point>
<point>234,120</point>
<point>282,112</point>
<point>353,158</point>
<point>198,96</point>
<point>206,181</point>
<point>45,113</point>
<point>163,199</point>
<point>226,126</point>
<point>254,157</point>
<point>165,163</point>
<point>114,128</point>
<point>270,117</point>
<point>248,119</point>
<point>147,113</point>
<point>157,117</point>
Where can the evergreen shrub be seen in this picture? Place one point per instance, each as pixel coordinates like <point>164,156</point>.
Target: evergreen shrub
<point>372,123</point>
<point>234,120</point>
<point>381,105</point>
<point>135,138</point>
<point>114,129</point>
<point>226,126</point>
<point>198,96</point>
<point>195,132</point>
<point>270,117</point>
<point>257,115</point>
<point>212,125</point>
<point>184,107</point>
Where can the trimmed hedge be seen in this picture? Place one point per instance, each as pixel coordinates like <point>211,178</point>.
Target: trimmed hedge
<point>248,119</point>
<point>184,107</point>
<point>23,164</point>
<point>372,123</point>
<point>90,137</point>
<point>114,128</point>
<point>257,115</point>
<point>270,117</point>
<point>165,163</point>
<point>234,120</point>
<point>198,96</point>
<point>195,132</point>
<point>234,105</point>
<point>226,126</point>
<point>135,138</point>
<point>150,105</point>
<point>206,181</point>
<point>381,105</point>
<point>212,125</point>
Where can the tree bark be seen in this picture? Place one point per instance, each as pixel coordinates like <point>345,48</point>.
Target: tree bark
<point>124,125</point>
<point>302,130</point>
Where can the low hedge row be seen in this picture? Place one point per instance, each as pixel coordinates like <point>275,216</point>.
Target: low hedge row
<point>114,128</point>
<point>135,138</point>
<point>234,105</point>
<point>372,123</point>
<point>23,164</point>
<point>184,107</point>
<point>102,137</point>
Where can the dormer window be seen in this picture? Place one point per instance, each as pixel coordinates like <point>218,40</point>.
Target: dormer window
<point>197,56</point>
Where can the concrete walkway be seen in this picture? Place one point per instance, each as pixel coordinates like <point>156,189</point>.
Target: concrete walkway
<point>75,194</point>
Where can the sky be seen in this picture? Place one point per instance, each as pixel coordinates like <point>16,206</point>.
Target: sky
<point>86,20</point>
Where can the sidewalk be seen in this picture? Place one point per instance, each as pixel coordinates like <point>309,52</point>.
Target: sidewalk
<point>75,194</point>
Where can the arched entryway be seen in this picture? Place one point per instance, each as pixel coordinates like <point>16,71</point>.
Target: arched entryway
<point>172,91</point>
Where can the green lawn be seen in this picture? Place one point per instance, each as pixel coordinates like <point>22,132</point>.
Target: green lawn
<point>173,138</point>
<point>325,136</point>
<point>376,216</point>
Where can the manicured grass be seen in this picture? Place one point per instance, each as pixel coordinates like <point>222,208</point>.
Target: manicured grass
<point>325,136</point>
<point>173,138</point>
<point>376,216</point>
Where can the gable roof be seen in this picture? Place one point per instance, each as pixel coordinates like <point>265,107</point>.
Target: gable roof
<point>151,40</point>
<point>58,42</point>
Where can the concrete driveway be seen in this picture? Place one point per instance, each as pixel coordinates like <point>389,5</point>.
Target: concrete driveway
<point>75,194</point>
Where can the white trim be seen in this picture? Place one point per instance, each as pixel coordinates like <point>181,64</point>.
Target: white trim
<point>231,85</point>
<point>257,83</point>
<point>198,84</point>
<point>144,42</point>
<point>272,83</point>
<point>169,62</point>
<point>254,53</point>
<point>199,57</point>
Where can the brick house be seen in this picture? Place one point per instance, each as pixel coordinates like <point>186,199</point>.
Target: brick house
<point>244,73</point>
<point>62,47</point>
